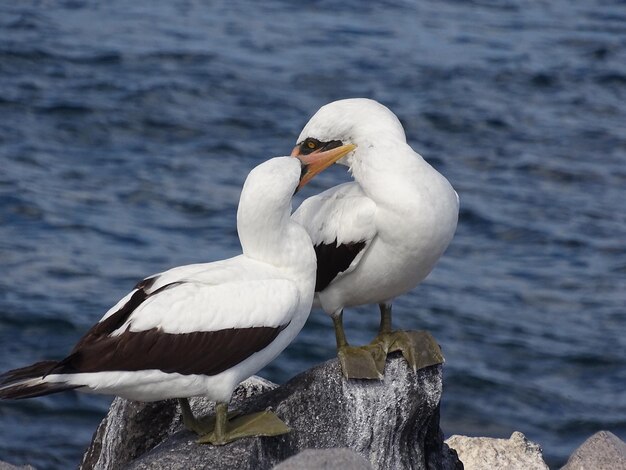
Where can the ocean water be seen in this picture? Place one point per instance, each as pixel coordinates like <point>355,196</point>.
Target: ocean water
<point>127,129</point>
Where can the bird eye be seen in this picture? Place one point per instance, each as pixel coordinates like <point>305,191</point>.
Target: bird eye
<point>309,145</point>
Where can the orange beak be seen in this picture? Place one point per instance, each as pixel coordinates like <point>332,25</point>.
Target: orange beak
<point>318,161</point>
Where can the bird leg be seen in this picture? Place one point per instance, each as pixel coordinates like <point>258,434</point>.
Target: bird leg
<point>419,348</point>
<point>385,318</point>
<point>221,429</point>
<point>199,426</point>
<point>204,425</point>
<point>356,362</point>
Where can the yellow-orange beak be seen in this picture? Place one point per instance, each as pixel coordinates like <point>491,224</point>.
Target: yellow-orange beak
<point>318,161</point>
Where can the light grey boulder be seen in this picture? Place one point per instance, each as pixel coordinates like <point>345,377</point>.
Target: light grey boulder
<point>485,453</point>
<point>602,451</point>
<point>325,459</point>
<point>7,466</point>
<point>393,423</point>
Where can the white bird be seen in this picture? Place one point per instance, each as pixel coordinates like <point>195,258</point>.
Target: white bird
<point>199,330</point>
<point>378,236</point>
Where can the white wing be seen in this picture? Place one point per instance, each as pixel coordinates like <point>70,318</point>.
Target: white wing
<point>235,293</point>
<point>194,306</point>
<point>341,223</point>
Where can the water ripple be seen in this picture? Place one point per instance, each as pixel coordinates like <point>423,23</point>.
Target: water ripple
<point>128,130</point>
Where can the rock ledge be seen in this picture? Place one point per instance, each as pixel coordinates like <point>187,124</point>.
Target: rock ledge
<point>393,423</point>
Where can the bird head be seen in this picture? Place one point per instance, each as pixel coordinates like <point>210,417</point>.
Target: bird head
<point>362,122</point>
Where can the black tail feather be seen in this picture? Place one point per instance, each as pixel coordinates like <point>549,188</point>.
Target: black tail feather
<point>13,386</point>
<point>38,369</point>
<point>19,391</point>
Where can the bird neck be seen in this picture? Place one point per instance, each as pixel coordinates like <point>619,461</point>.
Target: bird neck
<point>267,234</point>
<point>387,169</point>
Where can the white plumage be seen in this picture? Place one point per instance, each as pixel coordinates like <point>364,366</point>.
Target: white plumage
<point>267,301</point>
<point>342,214</point>
<point>199,330</point>
<point>269,286</point>
<point>380,235</point>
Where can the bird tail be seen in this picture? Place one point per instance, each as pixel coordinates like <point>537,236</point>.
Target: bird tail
<point>30,381</point>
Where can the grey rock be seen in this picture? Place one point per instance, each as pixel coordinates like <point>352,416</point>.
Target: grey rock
<point>8,466</point>
<point>130,429</point>
<point>392,423</point>
<point>484,453</point>
<point>602,451</point>
<point>325,459</point>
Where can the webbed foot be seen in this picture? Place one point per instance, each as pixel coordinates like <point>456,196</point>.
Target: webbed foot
<point>225,427</point>
<point>362,362</point>
<point>419,348</point>
<point>264,423</point>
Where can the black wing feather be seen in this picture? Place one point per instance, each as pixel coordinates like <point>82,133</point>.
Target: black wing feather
<point>333,259</point>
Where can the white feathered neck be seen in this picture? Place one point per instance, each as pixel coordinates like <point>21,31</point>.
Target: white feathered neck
<point>264,224</point>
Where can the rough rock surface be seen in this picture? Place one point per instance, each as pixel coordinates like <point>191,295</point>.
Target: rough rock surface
<point>131,428</point>
<point>8,466</point>
<point>393,423</point>
<point>484,453</point>
<point>325,459</point>
<point>602,451</point>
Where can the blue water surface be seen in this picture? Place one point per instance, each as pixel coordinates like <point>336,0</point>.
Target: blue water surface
<point>127,129</point>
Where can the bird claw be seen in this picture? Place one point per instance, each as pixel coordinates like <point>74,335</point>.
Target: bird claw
<point>419,348</point>
<point>264,423</point>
